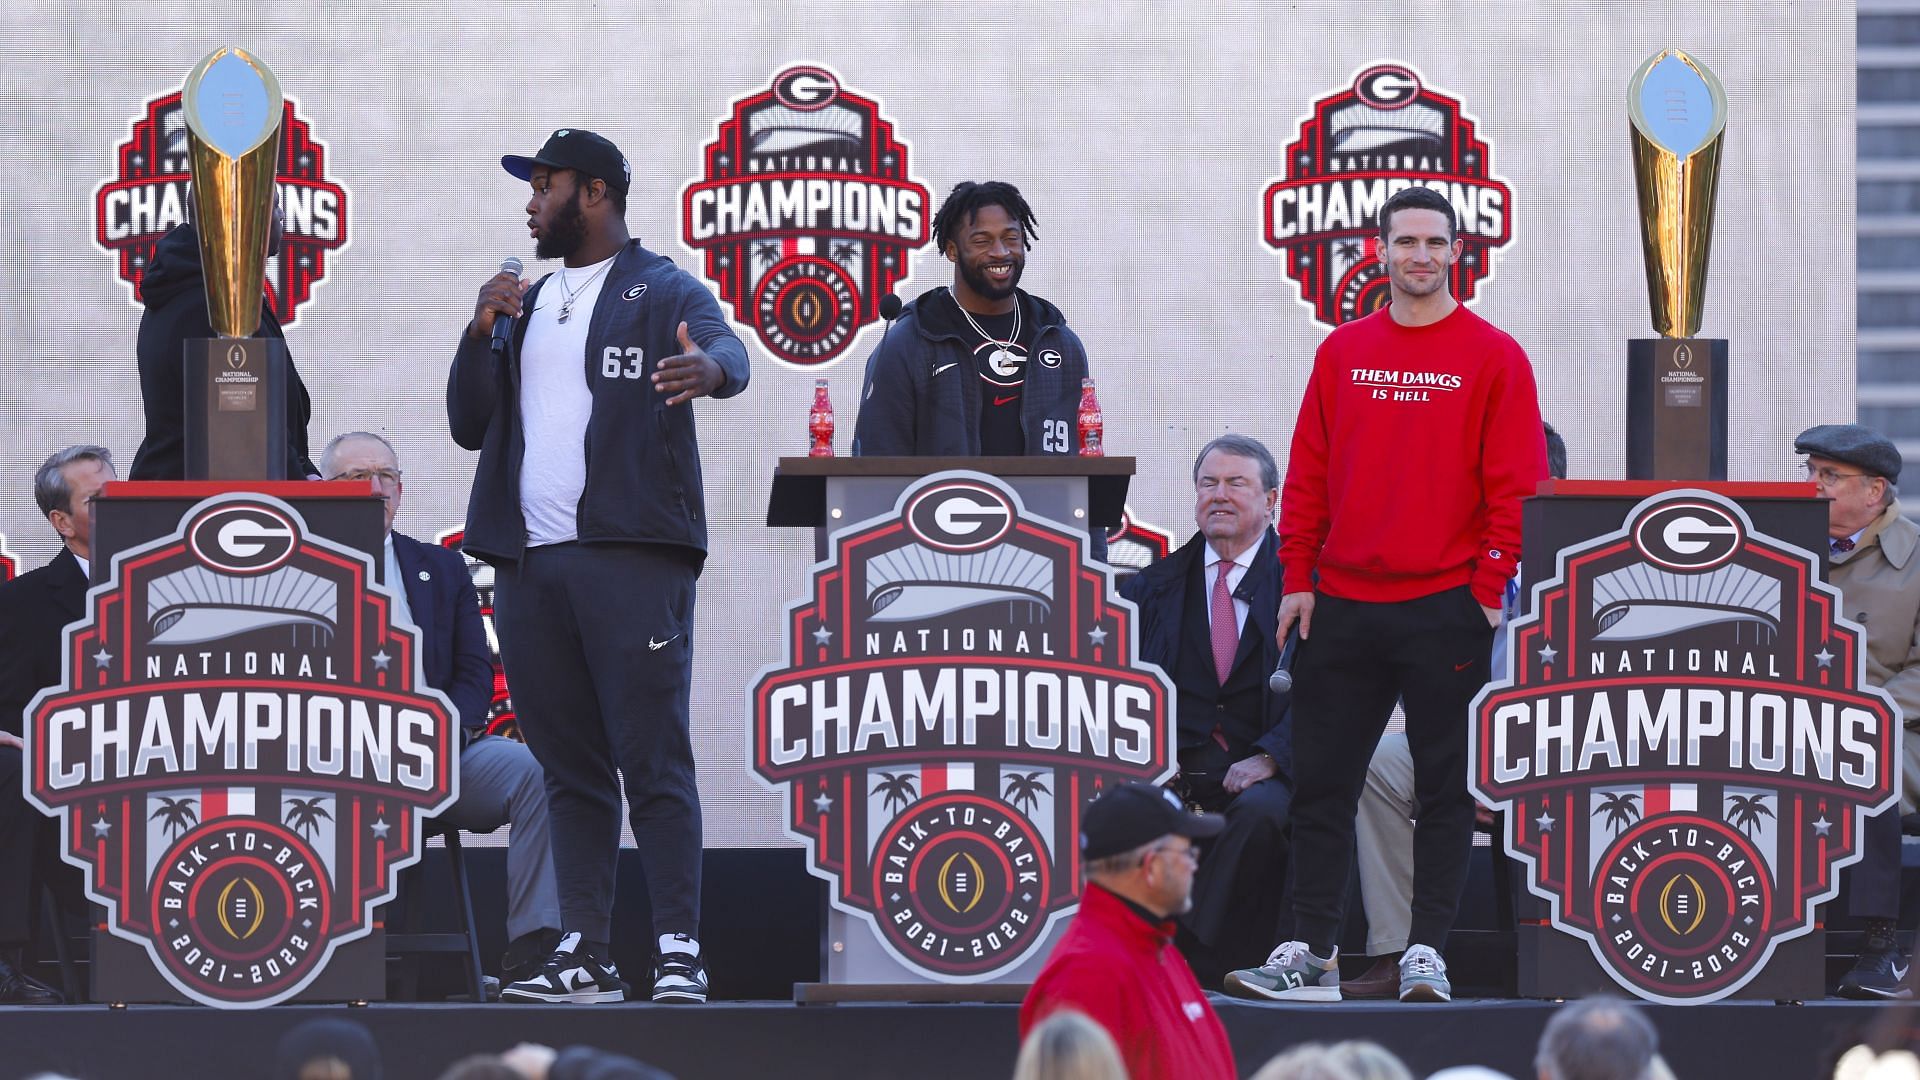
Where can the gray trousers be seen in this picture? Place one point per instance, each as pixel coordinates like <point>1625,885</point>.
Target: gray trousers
<point>1383,845</point>
<point>501,784</point>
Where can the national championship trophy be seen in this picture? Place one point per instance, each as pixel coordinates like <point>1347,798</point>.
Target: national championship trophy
<point>1676,383</point>
<point>236,399</point>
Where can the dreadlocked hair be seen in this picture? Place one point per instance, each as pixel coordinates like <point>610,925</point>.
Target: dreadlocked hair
<point>969,198</point>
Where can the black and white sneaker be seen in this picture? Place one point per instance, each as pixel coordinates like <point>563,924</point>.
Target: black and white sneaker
<point>569,976</point>
<point>678,975</point>
<point>1878,975</point>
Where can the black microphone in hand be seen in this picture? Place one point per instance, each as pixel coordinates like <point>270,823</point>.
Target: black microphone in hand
<point>503,324</point>
<point>1281,681</point>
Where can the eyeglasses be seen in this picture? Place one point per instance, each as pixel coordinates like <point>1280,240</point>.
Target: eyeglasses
<point>386,477</point>
<point>1826,476</point>
<point>1191,851</point>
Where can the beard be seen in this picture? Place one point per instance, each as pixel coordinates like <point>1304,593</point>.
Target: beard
<point>976,279</point>
<point>564,235</point>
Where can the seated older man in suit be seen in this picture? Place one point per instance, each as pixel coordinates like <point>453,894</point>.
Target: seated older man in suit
<point>500,782</point>
<point>34,608</point>
<point>1207,616</point>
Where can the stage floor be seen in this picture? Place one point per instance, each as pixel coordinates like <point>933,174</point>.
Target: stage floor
<point>880,1040</point>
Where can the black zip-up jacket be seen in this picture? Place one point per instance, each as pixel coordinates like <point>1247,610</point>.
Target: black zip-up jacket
<point>175,294</point>
<point>643,459</point>
<point>922,393</point>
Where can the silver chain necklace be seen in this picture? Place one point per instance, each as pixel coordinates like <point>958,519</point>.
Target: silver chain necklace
<point>566,306</point>
<point>1002,357</point>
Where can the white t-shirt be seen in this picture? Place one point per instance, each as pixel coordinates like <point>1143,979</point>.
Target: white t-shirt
<point>555,404</point>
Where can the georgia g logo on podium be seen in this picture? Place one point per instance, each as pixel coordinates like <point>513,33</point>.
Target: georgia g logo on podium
<point>1685,746</point>
<point>958,685</point>
<point>241,750</point>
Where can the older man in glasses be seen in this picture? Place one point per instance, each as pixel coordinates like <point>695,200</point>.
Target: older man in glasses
<point>1872,562</point>
<point>500,782</point>
<point>1139,848</point>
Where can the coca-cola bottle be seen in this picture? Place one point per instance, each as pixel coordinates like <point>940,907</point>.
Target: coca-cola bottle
<point>820,421</point>
<point>1092,423</point>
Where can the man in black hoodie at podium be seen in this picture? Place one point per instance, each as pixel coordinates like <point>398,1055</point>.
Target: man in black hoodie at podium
<point>175,294</point>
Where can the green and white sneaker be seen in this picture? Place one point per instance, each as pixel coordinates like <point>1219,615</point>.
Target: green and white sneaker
<point>1423,976</point>
<point>1292,973</point>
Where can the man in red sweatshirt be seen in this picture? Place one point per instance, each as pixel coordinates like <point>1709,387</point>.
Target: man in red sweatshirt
<point>1117,962</point>
<point>1399,529</point>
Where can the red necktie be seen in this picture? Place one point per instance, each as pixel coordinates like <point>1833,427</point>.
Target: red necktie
<point>1226,636</point>
<point>1843,545</point>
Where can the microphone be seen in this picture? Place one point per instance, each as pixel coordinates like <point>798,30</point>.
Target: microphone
<point>889,307</point>
<point>1281,681</point>
<point>503,324</point>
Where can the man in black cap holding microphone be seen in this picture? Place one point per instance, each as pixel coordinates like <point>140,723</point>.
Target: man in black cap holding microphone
<point>588,499</point>
<point>1117,962</point>
<point>1870,553</point>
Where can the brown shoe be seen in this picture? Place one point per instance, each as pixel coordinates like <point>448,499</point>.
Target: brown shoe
<point>1382,980</point>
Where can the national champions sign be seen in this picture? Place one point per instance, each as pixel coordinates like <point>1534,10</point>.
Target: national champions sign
<point>959,683</point>
<point>1685,746</point>
<point>241,750</point>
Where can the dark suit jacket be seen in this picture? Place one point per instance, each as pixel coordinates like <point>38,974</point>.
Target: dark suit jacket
<point>34,608</point>
<point>1160,591</point>
<point>453,641</point>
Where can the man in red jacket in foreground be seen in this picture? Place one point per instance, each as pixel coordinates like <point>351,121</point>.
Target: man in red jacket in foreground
<point>1399,529</point>
<point>1117,962</point>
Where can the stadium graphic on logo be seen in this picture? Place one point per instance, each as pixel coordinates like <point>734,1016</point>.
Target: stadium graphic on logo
<point>1685,746</point>
<point>241,750</point>
<point>957,687</point>
<point>1385,132</point>
<point>807,214</point>
<point>147,196</point>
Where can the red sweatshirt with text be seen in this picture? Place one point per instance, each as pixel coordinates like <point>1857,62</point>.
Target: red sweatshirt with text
<point>1414,447</point>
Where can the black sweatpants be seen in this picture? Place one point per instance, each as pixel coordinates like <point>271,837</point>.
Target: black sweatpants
<point>1431,653</point>
<point>597,642</point>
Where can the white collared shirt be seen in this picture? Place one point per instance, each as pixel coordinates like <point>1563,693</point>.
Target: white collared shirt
<point>1238,573</point>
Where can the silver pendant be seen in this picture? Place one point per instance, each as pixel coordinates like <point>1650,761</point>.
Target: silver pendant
<point>1003,360</point>
<point>566,312</point>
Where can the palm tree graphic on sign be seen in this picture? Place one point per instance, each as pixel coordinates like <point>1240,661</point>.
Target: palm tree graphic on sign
<point>899,788</point>
<point>304,815</point>
<point>1026,789</point>
<point>843,252</point>
<point>1745,811</point>
<point>769,254</point>
<point>175,814</point>
<point>1622,809</point>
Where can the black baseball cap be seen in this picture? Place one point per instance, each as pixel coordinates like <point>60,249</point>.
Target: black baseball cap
<point>576,148</point>
<point>1133,814</point>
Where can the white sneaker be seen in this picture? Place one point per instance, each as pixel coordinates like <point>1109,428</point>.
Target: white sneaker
<point>569,976</point>
<point>678,975</point>
<point>1423,975</point>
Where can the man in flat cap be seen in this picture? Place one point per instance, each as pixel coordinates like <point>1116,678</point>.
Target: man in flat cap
<point>1871,561</point>
<point>1117,962</point>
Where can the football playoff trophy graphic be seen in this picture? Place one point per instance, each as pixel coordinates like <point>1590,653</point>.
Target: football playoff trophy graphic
<point>1676,383</point>
<point>236,405</point>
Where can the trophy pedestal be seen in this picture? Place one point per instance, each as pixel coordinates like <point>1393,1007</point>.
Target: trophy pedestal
<point>1677,409</point>
<point>236,409</point>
